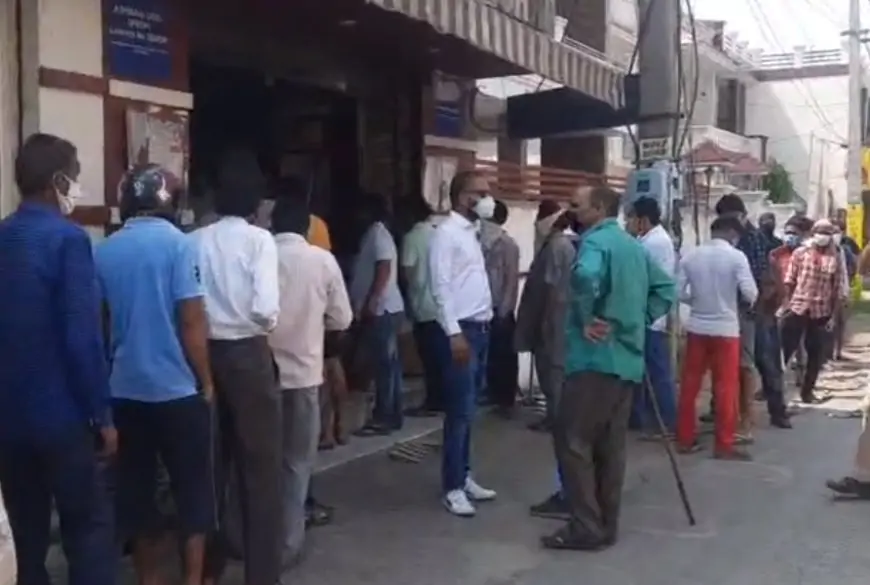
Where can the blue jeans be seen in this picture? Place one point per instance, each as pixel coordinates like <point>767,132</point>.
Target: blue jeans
<point>384,337</point>
<point>463,384</point>
<point>428,336</point>
<point>768,360</point>
<point>657,356</point>
<point>64,470</point>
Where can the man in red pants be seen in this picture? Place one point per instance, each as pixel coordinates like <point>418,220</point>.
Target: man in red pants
<point>710,277</point>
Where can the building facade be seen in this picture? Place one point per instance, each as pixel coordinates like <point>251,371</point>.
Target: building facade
<point>354,95</point>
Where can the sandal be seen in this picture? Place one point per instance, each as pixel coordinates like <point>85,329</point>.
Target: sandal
<point>695,447</point>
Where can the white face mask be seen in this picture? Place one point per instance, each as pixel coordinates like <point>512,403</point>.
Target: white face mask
<point>485,207</point>
<point>68,202</point>
<point>822,240</point>
<point>837,239</point>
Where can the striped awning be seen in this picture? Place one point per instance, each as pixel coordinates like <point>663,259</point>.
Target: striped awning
<point>491,30</point>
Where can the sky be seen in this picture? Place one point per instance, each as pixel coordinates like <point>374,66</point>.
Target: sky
<point>812,23</point>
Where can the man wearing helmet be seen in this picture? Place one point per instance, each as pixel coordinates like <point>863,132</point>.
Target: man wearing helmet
<point>160,378</point>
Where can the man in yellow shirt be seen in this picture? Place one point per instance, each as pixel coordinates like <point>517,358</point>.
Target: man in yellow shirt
<point>318,234</point>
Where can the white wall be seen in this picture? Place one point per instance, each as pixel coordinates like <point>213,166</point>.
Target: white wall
<point>784,111</point>
<point>9,111</point>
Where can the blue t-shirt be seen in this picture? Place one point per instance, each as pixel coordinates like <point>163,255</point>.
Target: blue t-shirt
<point>145,269</point>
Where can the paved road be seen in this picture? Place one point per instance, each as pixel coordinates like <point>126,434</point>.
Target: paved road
<point>769,522</point>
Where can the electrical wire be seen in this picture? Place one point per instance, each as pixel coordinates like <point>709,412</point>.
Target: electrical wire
<point>766,27</point>
<point>693,31</point>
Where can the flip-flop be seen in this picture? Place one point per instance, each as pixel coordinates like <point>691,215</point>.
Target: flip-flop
<point>373,430</point>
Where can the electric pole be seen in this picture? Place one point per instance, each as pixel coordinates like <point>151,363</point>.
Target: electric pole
<point>855,35</point>
<point>659,32</point>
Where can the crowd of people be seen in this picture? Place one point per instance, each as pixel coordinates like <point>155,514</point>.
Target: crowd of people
<point>220,359</point>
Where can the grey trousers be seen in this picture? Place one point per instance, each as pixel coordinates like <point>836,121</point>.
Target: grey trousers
<point>301,408</point>
<point>249,447</point>
<point>551,376</point>
<point>590,432</point>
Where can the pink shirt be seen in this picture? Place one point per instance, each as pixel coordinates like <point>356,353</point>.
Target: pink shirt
<point>313,300</point>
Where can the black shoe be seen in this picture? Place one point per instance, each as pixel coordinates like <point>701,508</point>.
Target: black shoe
<point>849,486</point>
<point>541,426</point>
<point>554,507</point>
<point>780,422</point>
<point>563,539</point>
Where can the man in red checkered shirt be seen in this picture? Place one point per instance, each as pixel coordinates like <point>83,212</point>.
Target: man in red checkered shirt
<point>814,288</point>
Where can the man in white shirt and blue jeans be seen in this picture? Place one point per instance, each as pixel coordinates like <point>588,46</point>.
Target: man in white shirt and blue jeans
<point>645,221</point>
<point>378,307</point>
<point>462,295</point>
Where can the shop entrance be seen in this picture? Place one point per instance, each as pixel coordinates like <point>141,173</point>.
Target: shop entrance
<point>294,130</point>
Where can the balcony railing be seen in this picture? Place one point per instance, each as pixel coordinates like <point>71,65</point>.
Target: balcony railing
<point>723,139</point>
<point>523,182</point>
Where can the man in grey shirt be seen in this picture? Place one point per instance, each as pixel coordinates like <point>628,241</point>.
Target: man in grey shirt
<point>378,307</point>
<point>541,322</point>
<point>502,257</point>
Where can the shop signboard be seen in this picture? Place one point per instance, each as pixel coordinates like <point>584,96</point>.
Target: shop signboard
<point>138,40</point>
<point>448,107</point>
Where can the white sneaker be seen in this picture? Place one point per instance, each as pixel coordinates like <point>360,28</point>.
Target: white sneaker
<point>478,493</point>
<point>457,503</point>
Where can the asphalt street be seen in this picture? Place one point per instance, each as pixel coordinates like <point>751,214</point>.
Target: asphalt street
<point>768,522</point>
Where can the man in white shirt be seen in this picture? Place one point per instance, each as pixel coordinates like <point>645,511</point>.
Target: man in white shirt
<point>239,271</point>
<point>644,219</point>
<point>461,290</point>
<point>421,307</point>
<point>313,302</point>
<point>710,278</point>
<point>378,306</point>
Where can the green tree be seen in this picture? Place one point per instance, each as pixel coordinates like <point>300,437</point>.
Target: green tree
<point>778,184</point>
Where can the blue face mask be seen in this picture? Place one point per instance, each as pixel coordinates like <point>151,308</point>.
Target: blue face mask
<point>792,240</point>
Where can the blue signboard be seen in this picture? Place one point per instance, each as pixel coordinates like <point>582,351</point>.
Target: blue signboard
<point>448,120</point>
<point>138,40</point>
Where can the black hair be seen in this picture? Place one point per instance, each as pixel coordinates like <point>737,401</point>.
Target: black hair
<point>459,182</point>
<point>291,186</point>
<point>566,220</point>
<point>726,224</point>
<point>500,213</point>
<point>291,215</point>
<point>374,205</point>
<point>38,162</point>
<point>802,223</point>
<point>647,208</point>
<point>547,208</point>
<point>416,208</point>
<point>730,204</point>
<point>241,184</point>
<point>606,199</point>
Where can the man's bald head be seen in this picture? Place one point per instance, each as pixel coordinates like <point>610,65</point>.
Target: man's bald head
<point>594,204</point>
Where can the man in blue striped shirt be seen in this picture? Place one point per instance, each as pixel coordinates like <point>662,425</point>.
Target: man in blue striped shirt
<point>54,392</point>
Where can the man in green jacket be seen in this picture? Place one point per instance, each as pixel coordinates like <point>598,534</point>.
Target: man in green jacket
<point>617,291</point>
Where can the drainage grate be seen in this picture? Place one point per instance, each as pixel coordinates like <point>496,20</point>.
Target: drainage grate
<point>414,451</point>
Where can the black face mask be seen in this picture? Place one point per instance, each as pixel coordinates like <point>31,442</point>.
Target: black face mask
<point>766,228</point>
